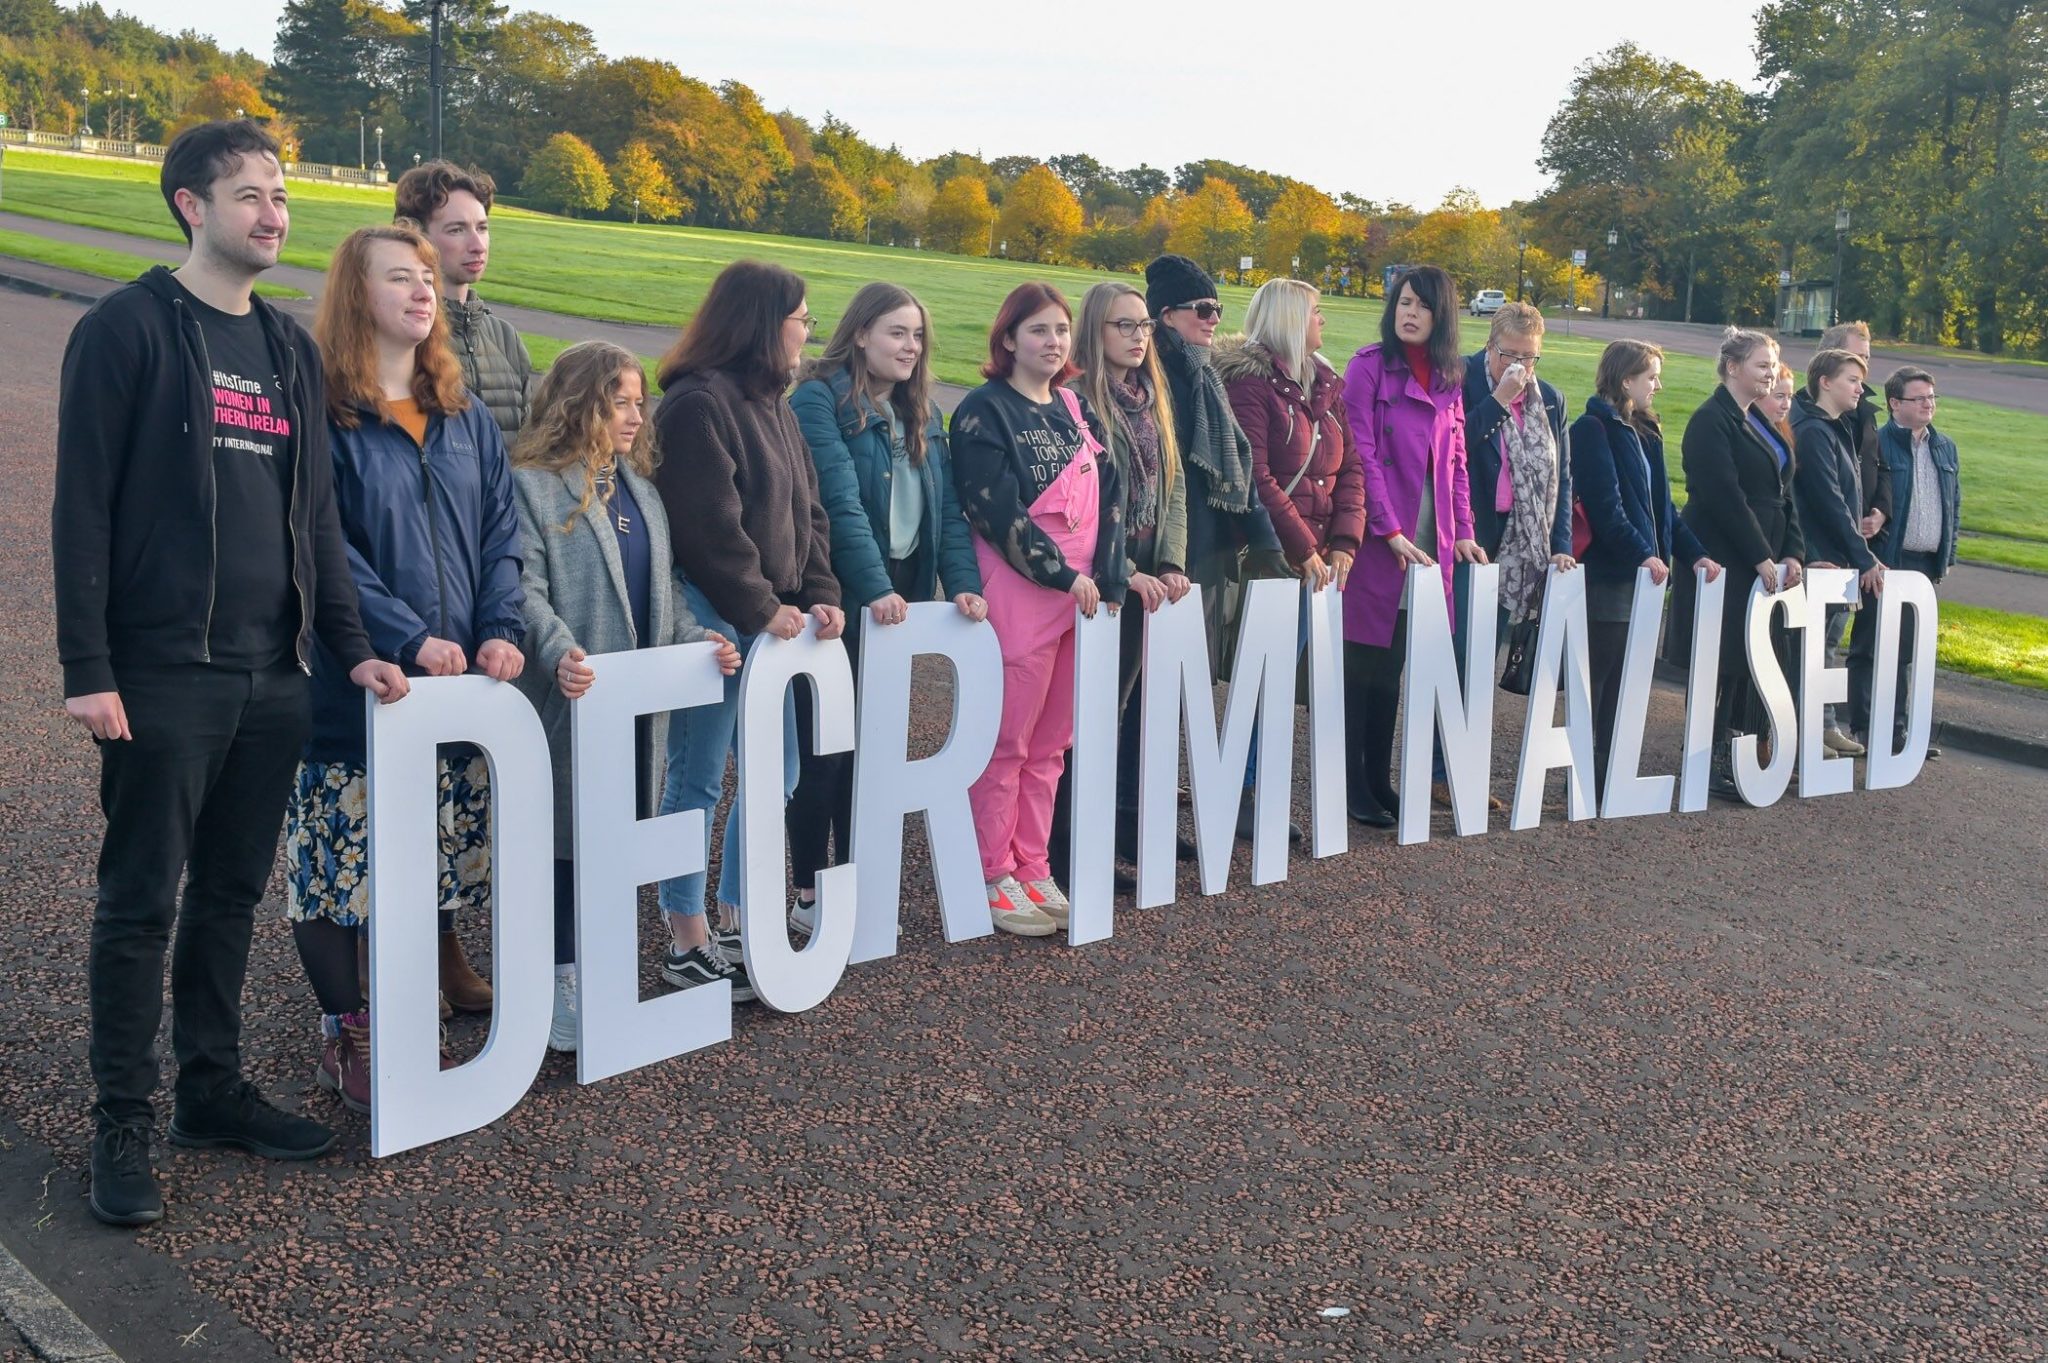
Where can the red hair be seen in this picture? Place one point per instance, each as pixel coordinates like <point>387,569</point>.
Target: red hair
<point>348,340</point>
<point>1025,301</point>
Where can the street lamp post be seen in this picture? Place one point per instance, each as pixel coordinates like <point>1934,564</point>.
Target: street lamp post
<point>1005,249</point>
<point>1841,231</point>
<point>85,127</point>
<point>1607,286</point>
<point>636,210</point>
<point>379,166</point>
<point>360,158</point>
<point>1521,267</point>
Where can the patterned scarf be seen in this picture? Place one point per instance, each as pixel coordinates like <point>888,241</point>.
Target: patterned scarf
<point>1133,398</point>
<point>1530,450</point>
<point>1215,445</point>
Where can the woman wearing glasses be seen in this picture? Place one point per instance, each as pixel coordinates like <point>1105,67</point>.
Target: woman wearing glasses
<point>1226,520</point>
<point>1047,514</point>
<point>1123,384</point>
<point>886,480</point>
<point>754,551</point>
<point>1405,398</point>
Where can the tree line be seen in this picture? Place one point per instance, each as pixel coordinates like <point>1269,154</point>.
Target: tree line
<point>1924,123</point>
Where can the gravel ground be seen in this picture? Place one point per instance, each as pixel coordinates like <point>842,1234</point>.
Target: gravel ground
<point>1738,1085</point>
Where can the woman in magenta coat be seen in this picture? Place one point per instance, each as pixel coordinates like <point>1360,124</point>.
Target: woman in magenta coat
<point>1405,398</point>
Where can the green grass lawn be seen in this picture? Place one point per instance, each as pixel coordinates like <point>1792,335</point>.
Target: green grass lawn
<point>656,275</point>
<point>2012,648</point>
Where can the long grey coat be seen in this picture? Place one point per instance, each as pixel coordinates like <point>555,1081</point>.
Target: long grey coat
<point>576,597</point>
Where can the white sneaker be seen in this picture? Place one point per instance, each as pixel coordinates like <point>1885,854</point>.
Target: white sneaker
<point>1047,897</point>
<point>1012,910</point>
<point>1839,743</point>
<point>803,917</point>
<point>563,1031</point>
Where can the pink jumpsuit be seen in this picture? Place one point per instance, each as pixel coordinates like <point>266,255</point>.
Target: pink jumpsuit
<point>1012,801</point>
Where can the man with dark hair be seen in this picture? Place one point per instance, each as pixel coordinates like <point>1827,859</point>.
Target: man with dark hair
<point>453,208</point>
<point>197,551</point>
<point>1924,473</point>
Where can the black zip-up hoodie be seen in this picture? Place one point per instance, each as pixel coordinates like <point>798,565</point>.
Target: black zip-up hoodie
<point>132,528</point>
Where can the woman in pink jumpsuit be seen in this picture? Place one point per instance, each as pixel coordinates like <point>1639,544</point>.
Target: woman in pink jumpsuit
<point>1047,517</point>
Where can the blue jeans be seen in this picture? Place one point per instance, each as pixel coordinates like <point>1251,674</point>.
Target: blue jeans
<point>699,741</point>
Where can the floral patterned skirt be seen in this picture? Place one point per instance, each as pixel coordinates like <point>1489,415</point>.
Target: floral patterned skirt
<point>327,840</point>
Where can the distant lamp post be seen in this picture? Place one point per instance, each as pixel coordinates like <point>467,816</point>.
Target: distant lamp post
<point>636,210</point>
<point>360,158</point>
<point>1607,290</point>
<point>1295,267</point>
<point>380,148</point>
<point>85,127</point>
<point>415,158</point>
<point>1841,231</point>
<point>1005,248</point>
<point>240,114</point>
<point>1521,268</point>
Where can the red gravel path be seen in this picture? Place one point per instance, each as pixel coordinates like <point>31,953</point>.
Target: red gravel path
<point>1746,1084</point>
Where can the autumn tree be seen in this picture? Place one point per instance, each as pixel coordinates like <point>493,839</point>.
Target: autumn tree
<point>1040,217</point>
<point>1155,223</point>
<point>221,97</point>
<point>1301,212</point>
<point>1211,226</point>
<point>960,216</point>
<point>1111,246</point>
<point>568,175</point>
<point>820,202</point>
<point>637,178</point>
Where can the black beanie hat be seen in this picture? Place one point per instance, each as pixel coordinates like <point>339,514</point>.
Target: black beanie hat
<point>1171,281</point>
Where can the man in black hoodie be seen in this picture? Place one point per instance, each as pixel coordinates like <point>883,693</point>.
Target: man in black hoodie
<point>197,550</point>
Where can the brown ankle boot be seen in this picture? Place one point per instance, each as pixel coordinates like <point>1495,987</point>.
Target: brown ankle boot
<point>345,1063</point>
<point>464,989</point>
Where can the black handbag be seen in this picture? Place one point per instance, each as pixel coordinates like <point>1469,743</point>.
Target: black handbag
<point>1521,665</point>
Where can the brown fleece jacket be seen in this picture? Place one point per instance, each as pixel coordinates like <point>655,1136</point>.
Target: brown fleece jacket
<point>741,494</point>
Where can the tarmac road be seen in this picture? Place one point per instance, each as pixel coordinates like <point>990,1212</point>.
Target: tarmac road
<point>1736,1085</point>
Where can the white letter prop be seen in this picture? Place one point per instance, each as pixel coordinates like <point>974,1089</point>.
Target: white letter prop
<point>1091,849</point>
<point>1629,793</point>
<point>1177,682</point>
<point>1821,685</point>
<point>1701,683</point>
<point>888,786</point>
<point>1560,649</point>
<point>1762,786</point>
<point>1329,835</point>
<point>789,980</point>
<point>1902,591</point>
<point>1432,694</point>
<point>617,852</point>
<point>412,1099</point>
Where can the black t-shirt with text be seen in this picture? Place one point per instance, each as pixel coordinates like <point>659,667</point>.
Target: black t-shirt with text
<point>255,612</point>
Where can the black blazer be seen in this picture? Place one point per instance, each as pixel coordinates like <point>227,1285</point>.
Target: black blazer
<point>1738,498</point>
<point>1483,418</point>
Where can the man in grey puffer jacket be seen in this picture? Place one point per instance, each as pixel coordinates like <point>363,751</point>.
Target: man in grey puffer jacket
<point>452,206</point>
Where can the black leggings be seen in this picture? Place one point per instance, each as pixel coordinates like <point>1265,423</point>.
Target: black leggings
<point>1606,650</point>
<point>1372,699</point>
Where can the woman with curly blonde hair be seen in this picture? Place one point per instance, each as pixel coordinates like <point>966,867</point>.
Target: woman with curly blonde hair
<point>425,500</point>
<point>596,579</point>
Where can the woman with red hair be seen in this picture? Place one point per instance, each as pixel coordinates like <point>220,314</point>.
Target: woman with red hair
<point>1047,517</point>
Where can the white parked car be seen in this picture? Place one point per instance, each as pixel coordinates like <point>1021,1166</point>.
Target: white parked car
<point>1487,302</point>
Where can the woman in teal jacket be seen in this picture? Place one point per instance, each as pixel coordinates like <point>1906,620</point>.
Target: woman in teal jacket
<point>886,481</point>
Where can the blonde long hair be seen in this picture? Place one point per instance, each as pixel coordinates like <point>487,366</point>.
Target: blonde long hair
<point>570,425</point>
<point>1094,379</point>
<point>1278,320</point>
<point>348,338</point>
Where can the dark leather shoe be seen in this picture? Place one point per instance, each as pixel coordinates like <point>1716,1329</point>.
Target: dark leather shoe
<point>123,1185</point>
<point>1366,810</point>
<point>240,1118</point>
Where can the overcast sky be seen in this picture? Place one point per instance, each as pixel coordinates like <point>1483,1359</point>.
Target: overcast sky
<point>1349,97</point>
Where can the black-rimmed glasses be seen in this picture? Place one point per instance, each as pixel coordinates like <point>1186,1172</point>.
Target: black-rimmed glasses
<point>1131,329</point>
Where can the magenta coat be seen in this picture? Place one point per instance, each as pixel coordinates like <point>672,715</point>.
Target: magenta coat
<point>1404,434</point>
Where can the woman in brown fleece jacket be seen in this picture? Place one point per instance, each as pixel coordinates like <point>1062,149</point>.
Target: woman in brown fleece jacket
<point>753,550</point>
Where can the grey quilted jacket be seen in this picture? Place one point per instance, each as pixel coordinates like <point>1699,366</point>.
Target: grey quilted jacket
<point>495,365</point>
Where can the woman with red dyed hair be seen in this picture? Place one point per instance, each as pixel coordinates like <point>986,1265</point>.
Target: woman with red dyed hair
<point>1047,516</point>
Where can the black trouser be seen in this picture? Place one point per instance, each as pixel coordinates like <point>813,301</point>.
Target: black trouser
<point>819,817</point>
<point>1372,699</point>
<point>1863,651</point>
<point>1606,650</point>
<point>1130,659</point>
<point>201,786</point>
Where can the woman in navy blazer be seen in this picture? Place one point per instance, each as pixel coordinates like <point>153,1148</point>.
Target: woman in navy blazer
<point>1617,453</point>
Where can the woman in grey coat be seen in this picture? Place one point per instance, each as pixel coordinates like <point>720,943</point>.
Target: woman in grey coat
<point>597,580</point>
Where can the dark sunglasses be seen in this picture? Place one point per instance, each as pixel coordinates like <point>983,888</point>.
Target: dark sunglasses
<point>1208,312</point>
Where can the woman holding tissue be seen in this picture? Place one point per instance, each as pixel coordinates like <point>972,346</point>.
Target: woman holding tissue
<point>885,476</point>
<point>1617,452</point>
<point>597,580</point>
<point>1739,503</point>
<point>1047,512</point>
